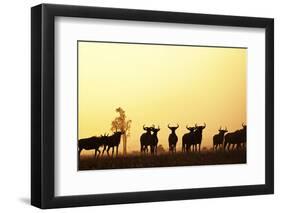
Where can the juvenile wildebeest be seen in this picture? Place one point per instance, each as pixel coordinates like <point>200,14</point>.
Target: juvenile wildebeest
<point>112,141</point>
<point>146,139</point>
<point>197,136</point>
<point>89,144</point>
<point>173,138</point>
<point>187,139</point>
<point>236,138</point>
<point>153,146</point>
<point>218,139</point>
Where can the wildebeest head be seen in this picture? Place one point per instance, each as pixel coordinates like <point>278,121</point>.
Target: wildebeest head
<point>147,129</point>
<point>104,136</point>
<point>119,132</point>
<point>200,128</point>
<point>222,131</point>
<point>173,128</point>
<point>155,130</point>
<point>191,129</point>
<point>244,126</point>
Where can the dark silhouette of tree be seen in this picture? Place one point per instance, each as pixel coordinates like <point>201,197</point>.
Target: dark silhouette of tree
<point>120,123</point>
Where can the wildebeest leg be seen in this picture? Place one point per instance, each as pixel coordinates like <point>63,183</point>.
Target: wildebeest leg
<point>187,148</point>
<point>108,148</point>
<point>98,152</point>
<point>104,148</point>
<point>112,151</point>
<point>199,147</point>
<point>116,151</point>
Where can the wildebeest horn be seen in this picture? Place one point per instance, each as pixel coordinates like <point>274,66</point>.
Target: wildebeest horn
<point>220,128</point>
<point>169,126</point>
<point>205,125</point>
<point>243,125</point>
<point>158,127</point>
<point>144,127</point>
<point>153,126</point>
<point>187,126</point>
<point>178,125</point>
<point>195,125</point>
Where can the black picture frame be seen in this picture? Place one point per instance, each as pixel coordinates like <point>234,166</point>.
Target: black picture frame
<point>43,114</point>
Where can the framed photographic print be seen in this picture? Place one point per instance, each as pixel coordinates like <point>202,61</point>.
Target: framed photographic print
<point>139,106</point>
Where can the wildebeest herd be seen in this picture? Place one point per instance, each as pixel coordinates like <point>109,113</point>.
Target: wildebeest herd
<point>105,141</point>
<point>191,141</point>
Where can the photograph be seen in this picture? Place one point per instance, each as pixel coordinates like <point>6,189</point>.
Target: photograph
<point>139,105</point>
<point>146,105</point>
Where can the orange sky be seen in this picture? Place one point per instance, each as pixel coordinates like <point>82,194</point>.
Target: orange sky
<point>160,84</point>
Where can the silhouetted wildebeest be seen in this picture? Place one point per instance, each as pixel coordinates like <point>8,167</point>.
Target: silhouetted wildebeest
<point>112,141</point>
<point>187,139</point>
<point>153,146</point>
<point>146,139</point>
<point>218,139</point>
<point>89,144</point>
<point>243,136</point>
<point>197,137</point>
<point>236,138</point>
<point>173,138</point>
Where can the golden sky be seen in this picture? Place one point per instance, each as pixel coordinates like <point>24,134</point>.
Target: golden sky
<point>160,84</point>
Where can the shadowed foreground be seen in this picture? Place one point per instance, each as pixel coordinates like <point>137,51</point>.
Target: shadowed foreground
<point>88,162</point>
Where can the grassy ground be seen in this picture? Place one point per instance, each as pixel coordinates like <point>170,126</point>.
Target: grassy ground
<point>88,162</point>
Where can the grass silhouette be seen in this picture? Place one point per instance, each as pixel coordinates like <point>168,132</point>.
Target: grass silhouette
<point>88,162</point>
